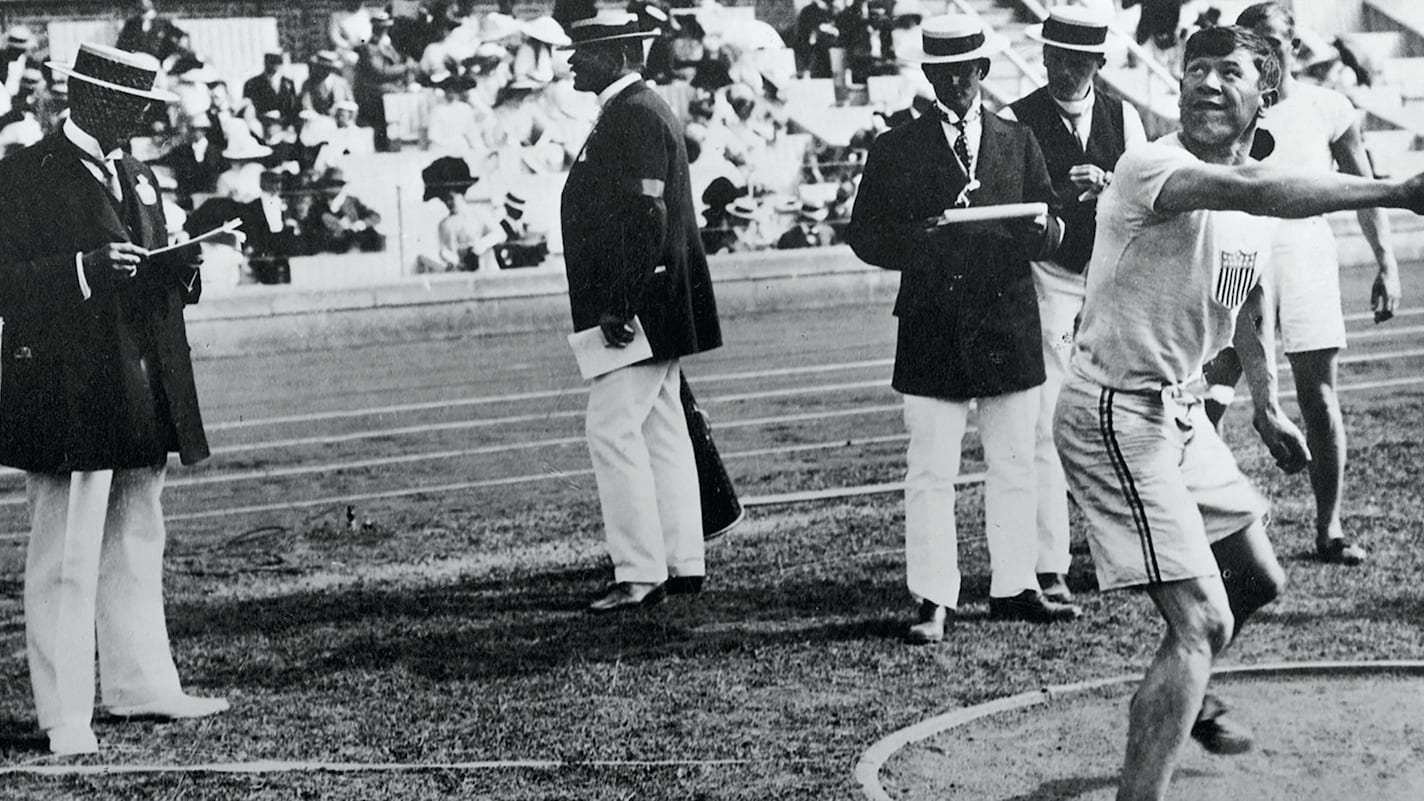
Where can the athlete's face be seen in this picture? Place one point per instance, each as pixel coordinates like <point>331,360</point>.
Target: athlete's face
<point>1221,97</point>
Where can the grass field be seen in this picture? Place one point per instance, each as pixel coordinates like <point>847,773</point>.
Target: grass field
<point>778,676</point>
<point>454,633</point>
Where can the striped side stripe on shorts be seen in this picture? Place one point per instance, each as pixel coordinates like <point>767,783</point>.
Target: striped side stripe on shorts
<point>1129,487</point>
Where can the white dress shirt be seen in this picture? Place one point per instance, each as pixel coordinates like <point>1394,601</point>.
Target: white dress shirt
<point>973,130</point>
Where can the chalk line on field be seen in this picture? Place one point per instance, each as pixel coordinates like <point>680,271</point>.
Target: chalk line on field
<point>317,766</point>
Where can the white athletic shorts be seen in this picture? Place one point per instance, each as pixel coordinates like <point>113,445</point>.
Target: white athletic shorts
<point>1307,286</point>
<point>1158,487</point>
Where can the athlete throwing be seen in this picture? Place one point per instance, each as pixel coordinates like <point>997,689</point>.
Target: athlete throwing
<point>1183,234</point>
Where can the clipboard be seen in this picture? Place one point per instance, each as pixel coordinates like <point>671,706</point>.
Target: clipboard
<point>1006,211</point>
<point>596,358</point>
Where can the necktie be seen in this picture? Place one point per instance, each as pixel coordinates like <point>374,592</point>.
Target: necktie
<point>106,169</point>
<point>961,148</point>
<point>961,142</point>
<point>1072,120</point>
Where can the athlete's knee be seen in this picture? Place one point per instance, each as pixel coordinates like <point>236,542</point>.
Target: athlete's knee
<point>1205,628</point>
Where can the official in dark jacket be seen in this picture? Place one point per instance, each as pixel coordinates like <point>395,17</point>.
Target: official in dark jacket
<point>968,321</point>
<point>632,250</point>
<point>1082,133</point>
<point>97,391</point>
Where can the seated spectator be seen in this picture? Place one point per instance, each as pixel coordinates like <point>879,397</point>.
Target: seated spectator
<point>810,230</point>
<point>272,90</point>
<point>20,126</point>
<point>709,165</point>
<point>744,216</point>
<point>195,162</point>
<point>453,126</point>
<point>189,80</point>
<point>244,156</point>
<point>287,153</point>
<point>718,232</point>
<point>147,32</point>
<point>816,35</point>
<point>17,59</point>
<point>341,140</point>
<point>339,222</point>
<point>325,86</point>
<point>225,114</point>
<point>380,71</point>
<point>465,235</point>
<point>273,232</point>
<point>522,246</point>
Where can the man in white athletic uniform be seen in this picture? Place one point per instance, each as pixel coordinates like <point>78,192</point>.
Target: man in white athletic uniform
<point>1174,262</point>
<point>1314,128</point>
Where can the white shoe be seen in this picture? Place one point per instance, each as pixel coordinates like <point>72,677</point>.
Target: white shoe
<point>72,741</point>
<point>174,707</point>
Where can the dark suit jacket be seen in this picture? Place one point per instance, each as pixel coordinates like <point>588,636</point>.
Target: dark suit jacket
<point>1061,152</point>
<point>635,157</point>
<point>97,384</point>
<point>283,99</point>
<point>967,306</point>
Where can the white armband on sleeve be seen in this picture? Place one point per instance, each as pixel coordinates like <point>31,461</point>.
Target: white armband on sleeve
<point>83,282</point>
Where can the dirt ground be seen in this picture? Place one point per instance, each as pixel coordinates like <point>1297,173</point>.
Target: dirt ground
<point>1336,738</point>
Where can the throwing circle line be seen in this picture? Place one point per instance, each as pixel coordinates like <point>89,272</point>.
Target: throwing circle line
<point>867,769</point>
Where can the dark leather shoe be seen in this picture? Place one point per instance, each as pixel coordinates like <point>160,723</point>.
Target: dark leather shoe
<point>1030,605</point>
<point>684,585</point>
<point>1055,587</point>
<point>626,594</point>
<point>1219,734</point>
<point>929,624</point>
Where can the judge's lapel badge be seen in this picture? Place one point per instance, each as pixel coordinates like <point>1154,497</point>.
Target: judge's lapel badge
<point>145,192</point>
<point>1236,278</point>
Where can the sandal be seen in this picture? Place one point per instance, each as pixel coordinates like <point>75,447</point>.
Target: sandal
<point>1336,551</point>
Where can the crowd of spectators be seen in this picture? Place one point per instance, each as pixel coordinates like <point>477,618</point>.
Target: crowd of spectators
<point>495,96</point>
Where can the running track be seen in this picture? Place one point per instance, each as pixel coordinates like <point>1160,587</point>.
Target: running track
<point>800,401</point>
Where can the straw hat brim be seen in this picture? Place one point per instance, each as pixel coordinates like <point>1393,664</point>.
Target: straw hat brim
<point>1035,32</point>
<point>917,55</point>
<point>158,95</point>
<point>616,37</point>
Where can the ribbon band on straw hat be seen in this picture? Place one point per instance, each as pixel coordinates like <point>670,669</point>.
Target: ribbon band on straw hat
<point>953,38</point>
<point>115,69</point>
<point>606,26</point>
<point>1072,28</point>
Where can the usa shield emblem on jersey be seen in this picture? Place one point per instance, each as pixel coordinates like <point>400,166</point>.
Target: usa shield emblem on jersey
<point>1236,278</point>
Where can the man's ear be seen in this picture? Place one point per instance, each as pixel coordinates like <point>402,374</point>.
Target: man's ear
<point>1268,99</point>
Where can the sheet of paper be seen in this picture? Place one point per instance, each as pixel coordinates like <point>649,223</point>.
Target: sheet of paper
<point>1007,211</point>
<point>226,228</point>
<point>595,357</point>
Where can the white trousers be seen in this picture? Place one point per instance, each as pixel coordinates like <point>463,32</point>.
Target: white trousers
<point>646,473</point>
<point>95,560</point>
<point>1060,299</point>
<point>936,427</point>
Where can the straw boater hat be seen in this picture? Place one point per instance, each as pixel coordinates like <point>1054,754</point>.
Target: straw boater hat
<point>19,38</point>
<point>743,208</point>
<point>1073,28</point>
<point>328,59</point>
<point>606,26</point>
<point>952,38</point>
<point>813,212</point>
<point>117,70</point>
